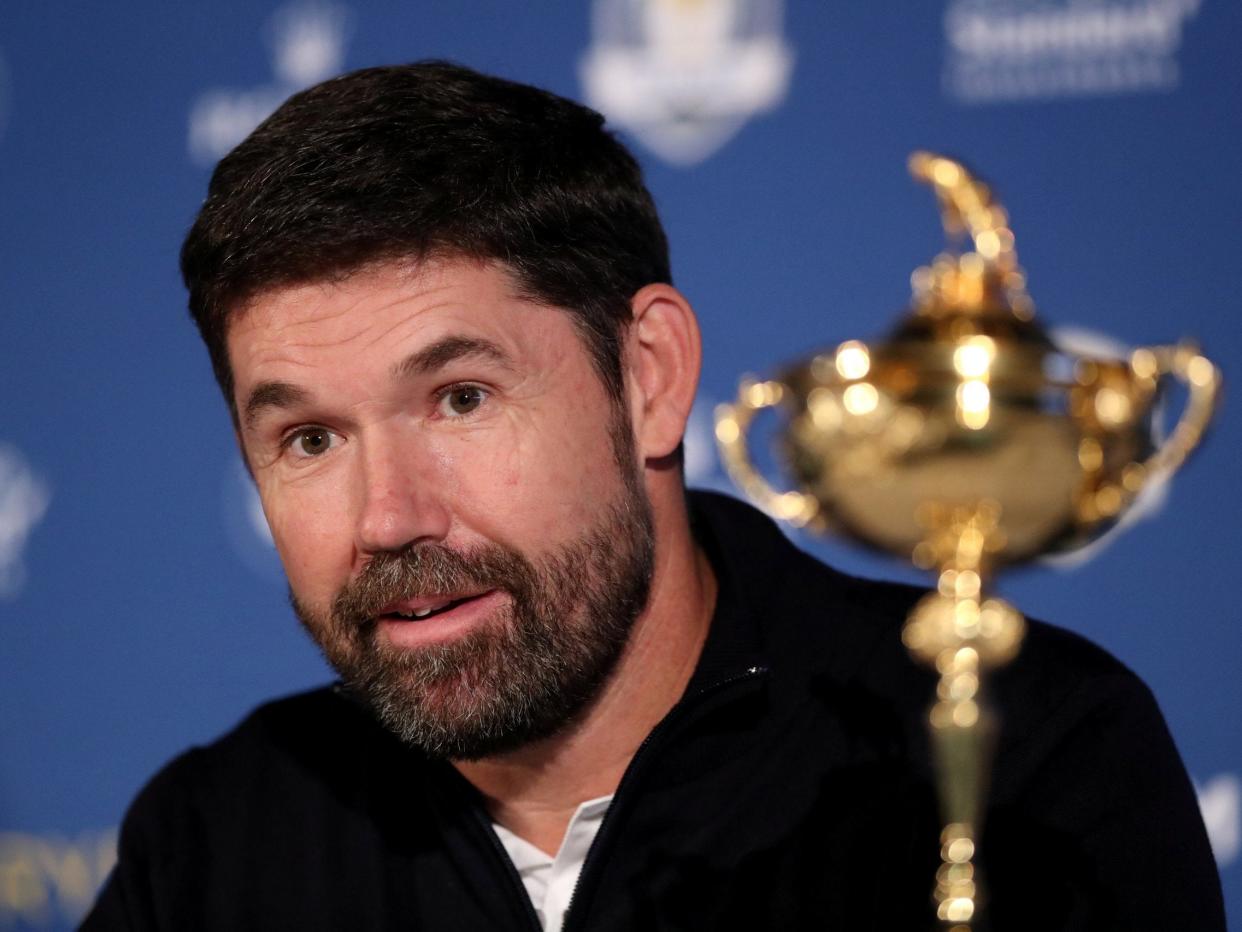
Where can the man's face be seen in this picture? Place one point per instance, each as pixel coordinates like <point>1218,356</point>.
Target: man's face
<point>454,495</point>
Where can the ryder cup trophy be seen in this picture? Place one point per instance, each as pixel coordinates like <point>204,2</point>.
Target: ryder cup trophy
<point>964,441</point>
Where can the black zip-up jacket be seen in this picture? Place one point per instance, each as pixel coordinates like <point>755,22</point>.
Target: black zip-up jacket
<point>789,789</point>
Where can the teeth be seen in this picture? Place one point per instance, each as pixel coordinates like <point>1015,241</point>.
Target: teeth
<point>422,612</point>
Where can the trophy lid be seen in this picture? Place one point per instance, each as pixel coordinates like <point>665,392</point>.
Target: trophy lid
<point>987,280</point>
<point>974,298</point>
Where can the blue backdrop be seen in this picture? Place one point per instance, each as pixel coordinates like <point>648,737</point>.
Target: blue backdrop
<point>142,608</point>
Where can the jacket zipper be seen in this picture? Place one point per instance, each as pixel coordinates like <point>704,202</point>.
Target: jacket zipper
<point>591,865</point>
<point>515,879</point>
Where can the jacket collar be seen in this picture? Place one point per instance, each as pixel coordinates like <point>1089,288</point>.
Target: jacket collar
<point>827,623</point>
<point>737,540</point>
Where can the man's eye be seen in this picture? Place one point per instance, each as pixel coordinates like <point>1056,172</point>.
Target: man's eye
<point>461,399</point>
<point>311,441</point>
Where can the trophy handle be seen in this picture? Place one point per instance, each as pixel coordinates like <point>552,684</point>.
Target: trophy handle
<point>732,423</point>
<point>1202,380</point>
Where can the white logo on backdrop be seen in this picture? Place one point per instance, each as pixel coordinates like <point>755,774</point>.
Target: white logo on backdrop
<point>1150,501</point>
<point>1220,801</point>
<point>701,461</point>
<point>308,45</point>
<point>246,525</point>
<point>24,498</point>
<point>685,75</point>
<point>1028,49</point>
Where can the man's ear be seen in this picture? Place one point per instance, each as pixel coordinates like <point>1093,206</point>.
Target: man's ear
<point>663,357</point>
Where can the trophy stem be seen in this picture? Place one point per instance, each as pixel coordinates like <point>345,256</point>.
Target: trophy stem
<point>961,633</point>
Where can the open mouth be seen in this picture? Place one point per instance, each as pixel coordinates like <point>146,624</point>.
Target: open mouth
<point>422,609</point>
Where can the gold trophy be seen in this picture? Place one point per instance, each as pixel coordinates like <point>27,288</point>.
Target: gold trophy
<point>964,441</point>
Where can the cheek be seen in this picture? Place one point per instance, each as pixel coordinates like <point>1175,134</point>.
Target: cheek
<point>313,538</point>
<point>546,477</point>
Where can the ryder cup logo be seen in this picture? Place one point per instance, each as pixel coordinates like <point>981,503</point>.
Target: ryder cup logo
<point>308,46</point>
<point>245,523</point>
<point>685,75</point>
<point>1027,49</point>
<point>1220,801</point>
<point>700,459</point>
<point>24,498</point>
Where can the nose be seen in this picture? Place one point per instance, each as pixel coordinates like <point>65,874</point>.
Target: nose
<point>401,497</point>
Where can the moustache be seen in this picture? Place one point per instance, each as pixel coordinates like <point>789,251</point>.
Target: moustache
<point>429,570</point>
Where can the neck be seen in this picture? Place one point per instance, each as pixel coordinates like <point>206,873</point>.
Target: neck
<point>535,790</point>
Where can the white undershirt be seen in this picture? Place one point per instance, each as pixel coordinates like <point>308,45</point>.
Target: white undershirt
<point>550,881</point>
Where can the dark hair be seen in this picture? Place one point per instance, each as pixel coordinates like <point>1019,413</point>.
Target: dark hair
<point>422,160</point>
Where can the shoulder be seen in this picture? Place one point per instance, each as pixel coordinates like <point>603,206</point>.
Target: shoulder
<point>844,633</point>
<point>292,725</point>
<point>1069,713</point>
<point>1058,684</point>
<point>283,754</point>
<point>219,834</point>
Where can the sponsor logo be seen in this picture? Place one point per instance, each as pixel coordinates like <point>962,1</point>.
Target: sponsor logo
<point>48,881</point>
<point>308,45</point>
<point>1037,49</point>
<point>1220,801</point>
<point>685,75</point>
<point>24,498</point>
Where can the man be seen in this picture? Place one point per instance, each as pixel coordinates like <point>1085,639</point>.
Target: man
<point>440,309</point>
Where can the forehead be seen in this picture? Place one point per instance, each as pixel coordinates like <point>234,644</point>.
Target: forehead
<point>373,311</point>
<point>371,296</point>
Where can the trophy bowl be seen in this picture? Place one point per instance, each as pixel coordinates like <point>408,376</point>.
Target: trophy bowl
<point>968,402</point>
<point>964,440</point>
<point>954,410</point>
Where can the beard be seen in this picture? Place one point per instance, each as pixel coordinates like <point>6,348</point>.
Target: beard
<point>516,677</point>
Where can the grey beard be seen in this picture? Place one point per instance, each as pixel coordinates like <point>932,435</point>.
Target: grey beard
<point>515,678</point>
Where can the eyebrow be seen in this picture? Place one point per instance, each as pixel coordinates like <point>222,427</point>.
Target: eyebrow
<point>447,349</point>
<point>272,394</point>
<point>277,394</point>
